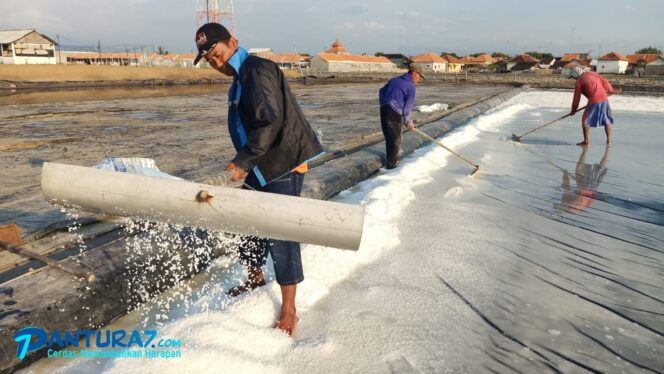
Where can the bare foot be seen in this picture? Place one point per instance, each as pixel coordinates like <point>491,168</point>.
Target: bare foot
<point>287,322</point>
<point>245,287</point>
<point>608,144</point>
<point>583,144</point>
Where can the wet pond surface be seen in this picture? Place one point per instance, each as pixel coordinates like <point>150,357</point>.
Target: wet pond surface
<point>182,127</point>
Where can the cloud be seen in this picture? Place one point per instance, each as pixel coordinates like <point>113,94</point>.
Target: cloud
<point>362,27</point>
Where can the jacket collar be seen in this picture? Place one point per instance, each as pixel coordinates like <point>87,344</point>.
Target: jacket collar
<point>237,59</point>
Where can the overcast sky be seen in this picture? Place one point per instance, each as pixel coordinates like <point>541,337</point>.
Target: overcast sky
<point>462,26</point>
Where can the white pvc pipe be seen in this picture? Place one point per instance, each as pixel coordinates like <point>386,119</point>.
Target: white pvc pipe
<point>233,210</point>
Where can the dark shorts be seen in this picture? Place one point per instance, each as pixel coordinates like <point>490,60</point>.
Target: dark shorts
<point>285,254</point>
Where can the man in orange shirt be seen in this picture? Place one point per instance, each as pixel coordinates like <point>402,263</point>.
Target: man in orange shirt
<point>598,112</point>
<point>273,141</point>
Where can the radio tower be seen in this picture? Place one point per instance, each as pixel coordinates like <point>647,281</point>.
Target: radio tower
<point>219,11</point>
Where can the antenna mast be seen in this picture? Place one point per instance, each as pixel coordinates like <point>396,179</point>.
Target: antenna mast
<point>219,11</point>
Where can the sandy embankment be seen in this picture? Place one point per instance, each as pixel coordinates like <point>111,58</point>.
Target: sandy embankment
<point>31,75</point>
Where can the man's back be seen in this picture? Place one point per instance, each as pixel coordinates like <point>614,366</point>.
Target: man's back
<point>593,86</point>
<point>399,94</point>
<point>396,90</point>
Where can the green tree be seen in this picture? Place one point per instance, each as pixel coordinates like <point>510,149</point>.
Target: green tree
<point>161,50</point>
<point>379,54</point>
<point>649,50</point>
<point>448,53</point>
<point>539,55</point>
<point>476,54</point>
<point>500,54</point>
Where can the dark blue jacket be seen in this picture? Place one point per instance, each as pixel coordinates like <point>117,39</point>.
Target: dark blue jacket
<point>267,126</point>
<point>399,94</point>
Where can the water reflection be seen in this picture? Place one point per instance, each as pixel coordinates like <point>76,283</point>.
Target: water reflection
<point>587,178</point>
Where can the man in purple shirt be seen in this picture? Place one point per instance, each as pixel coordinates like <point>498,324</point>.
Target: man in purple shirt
<point>396,100</point>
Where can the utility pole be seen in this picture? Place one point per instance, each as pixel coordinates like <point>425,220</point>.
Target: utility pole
<point>403,31</point>
<point>99,51</point>
<point>59,56</point>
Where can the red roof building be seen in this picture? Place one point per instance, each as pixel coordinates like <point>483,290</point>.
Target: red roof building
<point>288,60</point>
<point>453,60</point>
<point>338,59</point>
<point>431,62</point>
<point>483,59</point>
<point>612,63</point>
<point>337,48</point>
<point>523,58</point>
<point>647,58</point>
<point>567,57</point>
<point>428,58</point>
<point>613,56</point>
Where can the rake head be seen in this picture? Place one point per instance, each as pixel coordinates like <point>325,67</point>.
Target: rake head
<point>477,168</point>
<point>516,138</point>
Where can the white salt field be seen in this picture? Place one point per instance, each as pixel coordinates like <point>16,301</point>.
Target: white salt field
<point>550,259</point>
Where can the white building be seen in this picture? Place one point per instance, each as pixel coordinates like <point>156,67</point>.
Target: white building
<point>613,63</point>
<point>291,61</point>
<point>338,60</point>
<point>431,62</point>
<point>26,47</point>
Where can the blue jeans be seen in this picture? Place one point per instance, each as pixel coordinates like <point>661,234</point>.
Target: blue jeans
<point>285,254</point>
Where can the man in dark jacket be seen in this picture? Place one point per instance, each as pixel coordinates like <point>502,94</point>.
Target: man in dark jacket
<point>273,141</point>
<point>396,100</point>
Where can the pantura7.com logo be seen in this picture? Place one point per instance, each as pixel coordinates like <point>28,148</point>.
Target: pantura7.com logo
<point>96,343</point>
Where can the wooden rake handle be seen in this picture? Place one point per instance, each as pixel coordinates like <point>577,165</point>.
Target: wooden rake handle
<point>426,136</point>
<point>48,261</point>
<point>550,122</point>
